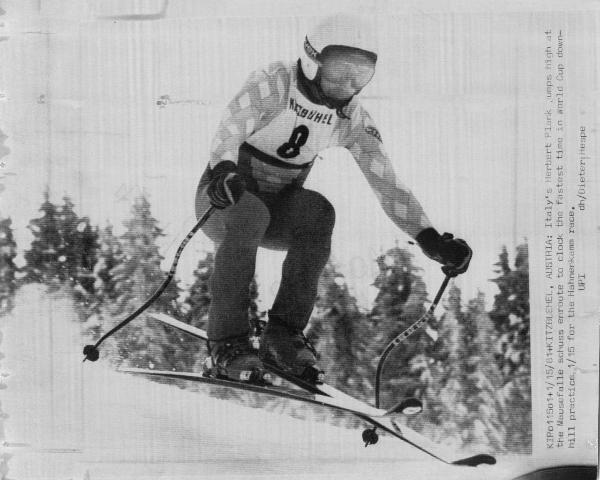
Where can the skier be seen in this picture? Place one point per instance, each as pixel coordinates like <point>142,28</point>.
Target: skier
<point>264,148</point>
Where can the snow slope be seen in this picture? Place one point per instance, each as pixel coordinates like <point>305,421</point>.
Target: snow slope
<point>74,420</point>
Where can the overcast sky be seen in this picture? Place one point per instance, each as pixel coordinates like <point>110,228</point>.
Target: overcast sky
<point>455,98</point>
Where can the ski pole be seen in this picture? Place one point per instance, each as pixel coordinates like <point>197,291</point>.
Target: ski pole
<point>405,334</point>
<point>91,351</point>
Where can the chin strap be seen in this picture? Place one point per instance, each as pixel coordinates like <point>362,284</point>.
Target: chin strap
<point>340,112</point>
<point>312,90</point>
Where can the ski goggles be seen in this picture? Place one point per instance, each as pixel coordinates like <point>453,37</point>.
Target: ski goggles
<point>342,67</point>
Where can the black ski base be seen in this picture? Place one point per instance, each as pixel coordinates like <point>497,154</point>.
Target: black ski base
<point>481,459</point>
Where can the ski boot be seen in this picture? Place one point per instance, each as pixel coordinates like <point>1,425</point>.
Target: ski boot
<point>235,359</point>
<point>287,349</point>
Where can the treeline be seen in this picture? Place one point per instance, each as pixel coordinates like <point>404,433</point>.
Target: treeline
<point>109,277</point>
<point>470,366</point>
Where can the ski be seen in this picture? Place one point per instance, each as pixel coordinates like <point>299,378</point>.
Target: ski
<point>376,417</point>
<point>326,395</point>
<point>356,408</point>
<point>407,406</point>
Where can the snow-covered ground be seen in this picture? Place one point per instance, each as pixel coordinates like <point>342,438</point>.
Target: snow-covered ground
<point>74,420</point>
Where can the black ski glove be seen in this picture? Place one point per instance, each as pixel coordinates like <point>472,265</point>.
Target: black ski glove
<point>453,253</point>
<point>226,186</point>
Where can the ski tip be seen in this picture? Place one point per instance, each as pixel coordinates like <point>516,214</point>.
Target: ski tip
<point>407,406</point>
<point>482,459</point>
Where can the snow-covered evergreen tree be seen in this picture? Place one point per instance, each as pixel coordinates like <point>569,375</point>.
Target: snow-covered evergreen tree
<point>446,413</point>
<point>196,307</point>
<point>399,303</point>
<point>510,315</point>
<point>63,250</point>
<point>108,253</point>
<point>77,250</point>
<point>42,259</point>
<point>442,375</point>
<point>198,300</point>
<point>137,275</point>
<point>334,330</point>
<point>8,269</point>
<point>483,381</point>
<point>99,316</point>
<point>464,402</point>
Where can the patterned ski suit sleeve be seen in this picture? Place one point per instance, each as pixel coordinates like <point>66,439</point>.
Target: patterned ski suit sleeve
<point>398,202</point>
<point>261,98</point>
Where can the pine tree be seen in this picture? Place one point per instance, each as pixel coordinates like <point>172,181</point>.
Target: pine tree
<point>196,307</point>
<point>8,269</point>
<point>77,252</point>
<point>63,250</point>
<point>198,300</point>
<point>510,315</point>
<point>449,355</point>
<point>442,375</point>
<point>334,330</point>
<point>99,317</point>
<point>398,304</point>
<point>144,343</point>
<point>42,259</point>
<point>109,252</point>
<point>461,393</point>
<point>483,381</point>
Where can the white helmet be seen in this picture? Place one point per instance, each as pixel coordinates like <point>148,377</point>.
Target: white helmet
<point>338,30</point>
